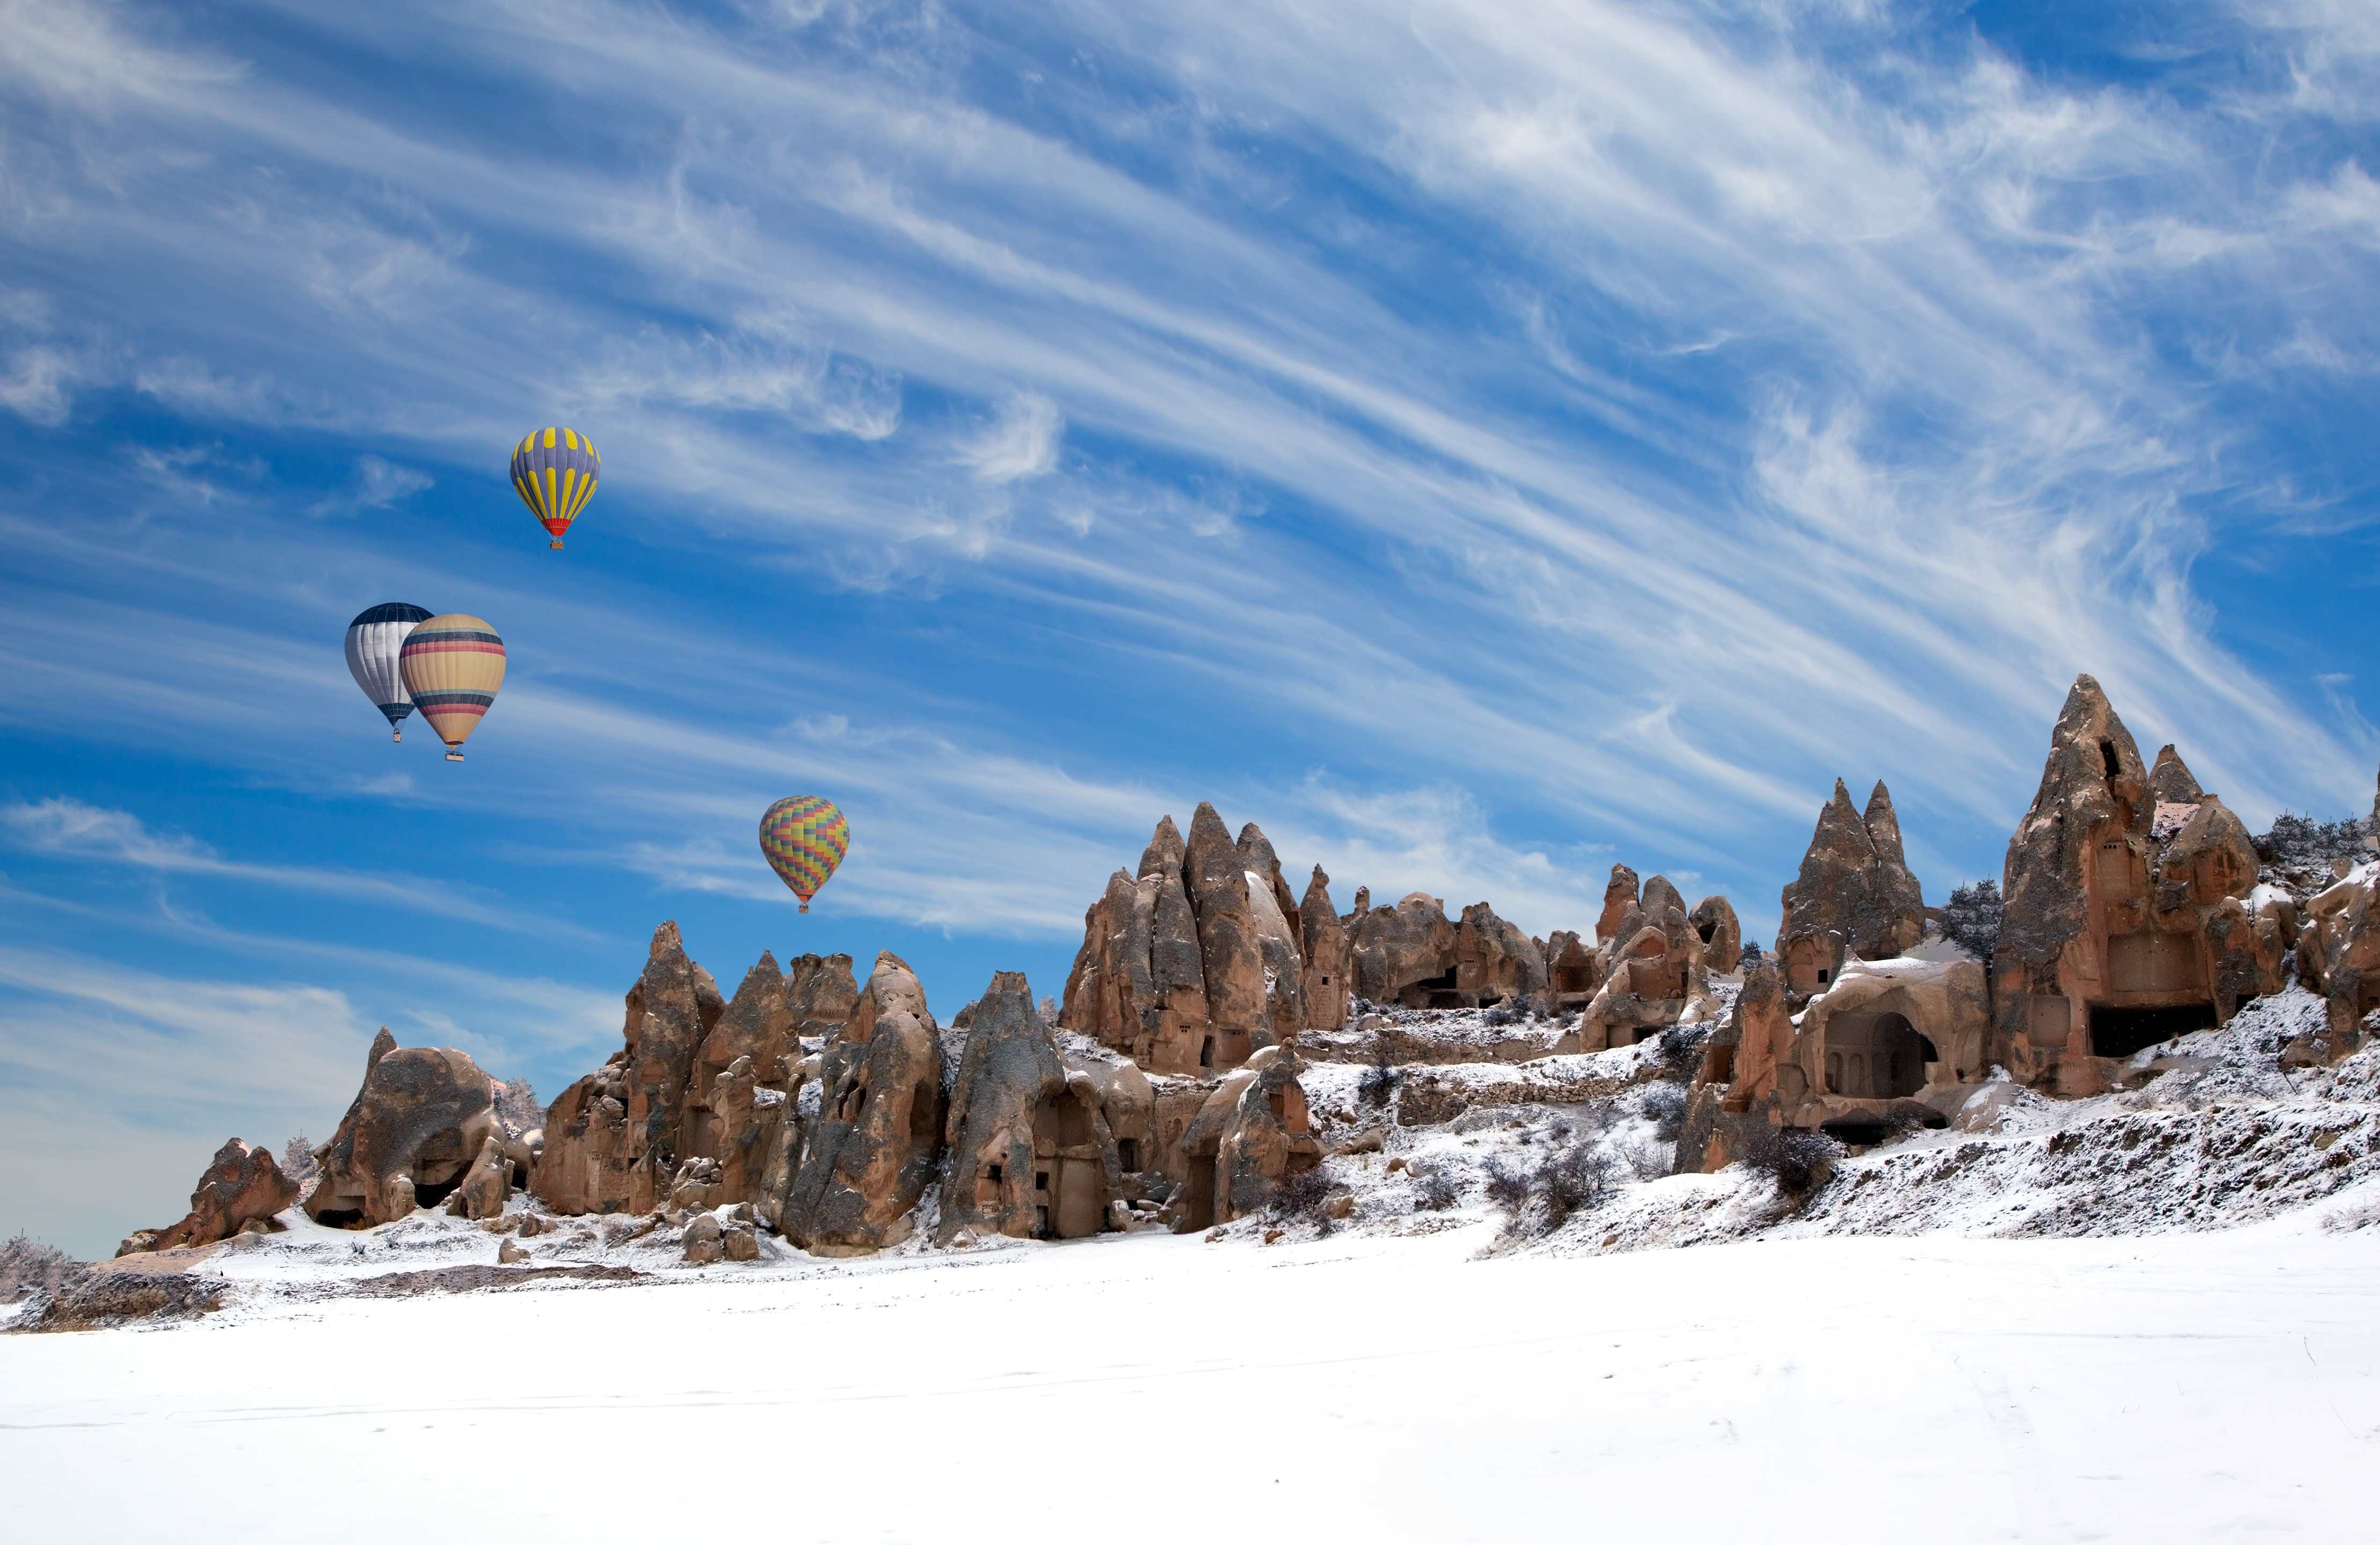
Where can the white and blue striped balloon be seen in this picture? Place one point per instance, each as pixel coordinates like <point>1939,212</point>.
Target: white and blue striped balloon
<point>373,640</point>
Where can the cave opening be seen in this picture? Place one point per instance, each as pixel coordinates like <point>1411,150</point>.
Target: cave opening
<point>2119,1032</point>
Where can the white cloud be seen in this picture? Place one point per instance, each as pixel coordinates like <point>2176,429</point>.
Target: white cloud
<point>39,385</point>
<point>65,827</point>
<point>1021,441</point>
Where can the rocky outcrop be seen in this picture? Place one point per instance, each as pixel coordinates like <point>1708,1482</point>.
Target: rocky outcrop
<point>879,1133</point>
<point>1031,1152</point>
<point>241,1185</point>
<point>2338,950</point>
<point>1139,982</point>
<point>614,1138</point>
<point>1329,955</point>
<point>1405,954</point>
<point>487,1185</point>
<point>1721,934</point>
<point>1494,961</point>
<point>1275,916</point>
<point>1854,897</point>
<point>1619,900</point>
<point>1575,968</point>
<point>820,993</point>
<point>1653,975</point>
<point>1250,1132</point>
<point>1237,1009</point>
<point>2126,916</point>
<point>420,1120</point>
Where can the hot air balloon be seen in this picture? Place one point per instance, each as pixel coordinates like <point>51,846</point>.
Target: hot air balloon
<point>555,472</point>
<point>452,665</point>
<point>374,639</point>
<point>803,837</point>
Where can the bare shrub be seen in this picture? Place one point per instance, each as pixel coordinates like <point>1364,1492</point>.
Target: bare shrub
<point>1436,1191</point>
<point>1665,1107</point>
<point>1795,1158</point>
<point>1571,1180</point>
<point>27,1266</point>
<point>1681,1052</point>
<point>1378,1084</point>
<point>1508,1188</point>
<point>1301,1195</point>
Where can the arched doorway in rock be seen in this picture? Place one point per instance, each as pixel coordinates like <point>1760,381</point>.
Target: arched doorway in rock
<point>1070,1183</point>
<point>1877,1057</point>
<point>1198,1187</point>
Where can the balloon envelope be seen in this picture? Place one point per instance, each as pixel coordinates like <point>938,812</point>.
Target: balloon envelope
<point>555,472</point>
<point>804,837</point>
<point>373,640</point>
<point>453,667</point>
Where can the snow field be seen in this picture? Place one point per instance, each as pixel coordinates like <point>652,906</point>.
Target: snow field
<point>2175,1387</point>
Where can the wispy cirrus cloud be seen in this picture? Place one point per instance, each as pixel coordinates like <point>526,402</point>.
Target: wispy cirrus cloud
<point>64,827</point>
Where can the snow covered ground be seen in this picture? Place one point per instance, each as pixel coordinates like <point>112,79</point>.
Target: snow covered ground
<point>2178,1387</point>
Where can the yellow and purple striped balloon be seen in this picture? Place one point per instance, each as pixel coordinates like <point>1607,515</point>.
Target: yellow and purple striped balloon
<point>804,837</point>
<point>554,471</point>
<point>453,666</point>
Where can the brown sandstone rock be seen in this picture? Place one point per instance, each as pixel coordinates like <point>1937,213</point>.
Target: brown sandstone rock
<point>487,1185</point>
<point>879,1132</point>
<point>2339,951</point>
<point>613,1139</point>
<point>1405,953</point>
<point>1139,982</point>
<point>1573,969</point>
<point>2125,920</point>
<point>820,995</point>
<point>1619,900</point>
<point>1252,1130</point>
<point>240,1186</point>
<point>1274,914</point>
<point>413,1132</point>
<point>1494,961</point>
<point>1854,896</point>
<point>1227,943</point>
<point>1328,956</point>
<point>1721,934</point>
<point>1032,1155</point>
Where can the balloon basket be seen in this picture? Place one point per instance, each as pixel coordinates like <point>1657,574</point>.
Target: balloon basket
<point>806,907</point>
<point>557,544</point>
<point>397,738</point>
<point>453,756</point>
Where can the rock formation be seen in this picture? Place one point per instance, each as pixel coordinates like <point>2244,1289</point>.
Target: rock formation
<point>1619,898</point>
<point>879,1132</point>
<point>1329,956</point>
<point>1721,934</point>
<point>1494,961</point>
<point>820,993</point>
<point>2339,949</point>
<point>1573,970</point>
<point>1652,972</point>
<point>241,1185</point>
<point>1250,1132</point>
<point>1854,897</point>
<point>412,1133</point>
<point>1275,916</point>
<point>613,1139</point>
<point>1139,982</point>
<point>2125,920</point>
<point>1032,1155</point>
<point>1203,955</point>
<point>1405,954</point>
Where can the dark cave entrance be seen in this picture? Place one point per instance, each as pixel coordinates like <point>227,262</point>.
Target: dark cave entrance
<point>2119,1032</point>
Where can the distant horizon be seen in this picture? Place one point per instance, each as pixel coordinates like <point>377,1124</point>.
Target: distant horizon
<point>1478,445</point>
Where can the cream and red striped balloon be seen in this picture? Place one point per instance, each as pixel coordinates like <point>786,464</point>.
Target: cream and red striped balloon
<point>452,665</point>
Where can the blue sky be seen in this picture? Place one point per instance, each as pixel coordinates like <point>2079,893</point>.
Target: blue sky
<point>1478,443</point>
